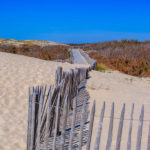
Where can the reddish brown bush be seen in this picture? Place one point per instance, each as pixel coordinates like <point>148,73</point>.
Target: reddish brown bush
<point>46,53</point>
<point>130,57</point>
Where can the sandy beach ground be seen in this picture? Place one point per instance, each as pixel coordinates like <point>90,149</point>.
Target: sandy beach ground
<point>17,73</point>
<point>119,88</point>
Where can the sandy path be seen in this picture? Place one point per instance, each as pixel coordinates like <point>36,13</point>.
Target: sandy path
<point>17,73</point>
<point>77,57</point>
<point>119,88</point>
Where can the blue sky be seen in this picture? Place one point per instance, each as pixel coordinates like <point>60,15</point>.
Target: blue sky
<point>75,20</point>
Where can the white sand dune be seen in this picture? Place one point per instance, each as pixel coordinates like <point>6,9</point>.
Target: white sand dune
<point>17,73</point>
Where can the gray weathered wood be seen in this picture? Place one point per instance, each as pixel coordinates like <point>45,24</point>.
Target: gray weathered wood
<point>56,122</point>
<point>140,127</point>
<point>44,91</point>
<point>48,116</point>
<point>82,125</point>
<point>130,129</point>
<point>110,131</point>
<point>39,121</point>
<point>64,121</point>
<point>118,142</point>
<point>100,125</point>
<point>33,122</point>
<point>58,75</point>
<point>148,142</point>
<point>73,124</point>
<point>91,127</point>
<point>29,120</point>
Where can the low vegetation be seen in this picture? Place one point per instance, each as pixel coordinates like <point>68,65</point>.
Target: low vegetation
<point>53,52</point>
<point>130,57</point>
<point>101,67</point>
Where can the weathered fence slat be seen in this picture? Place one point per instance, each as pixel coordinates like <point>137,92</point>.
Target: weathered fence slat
<point>44,92</point>
<point>148,142</point>
<point>120,128</point>
<point>110,131</point>
<point>91,127</point>
<point>45,105</point>
<point>98,138</point>
<point>140,127</point>
<point>130,129</point>
<point>33,121</point>
<point>82,124</point>
<point>48,114</point>
<point>65,111</point>
<point>73,124</point>
<point>56,122</point>
<point>39,121</point>
<point>45,118</point>
<point>29,120</point>
<point>58,75</point>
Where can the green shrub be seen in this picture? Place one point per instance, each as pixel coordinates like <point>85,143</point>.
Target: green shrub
<point>101,67</point>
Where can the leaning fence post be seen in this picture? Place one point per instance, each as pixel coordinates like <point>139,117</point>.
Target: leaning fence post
<point>140,127</point>
<point>62,142</point>
<point>120,128</point>
<point>98,138</point>
<point>48,117</point>
<point>39,120</point>
<point>33,121</point>
<point>29,121</point>
<point>90,127</point>
<point>73,124</point>
<point>110,131</point>
<point>58,75</point>
<point>56,122</point>
<point>82,125</point>
<point>130,129</point>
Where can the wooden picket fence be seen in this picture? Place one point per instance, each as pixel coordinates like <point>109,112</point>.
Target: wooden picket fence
<point>120,129</point>
<point>48,109</point>
<point>59,134</point>
<point>57,120</point>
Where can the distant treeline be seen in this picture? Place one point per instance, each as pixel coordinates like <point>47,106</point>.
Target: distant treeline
<point>128,56</point>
